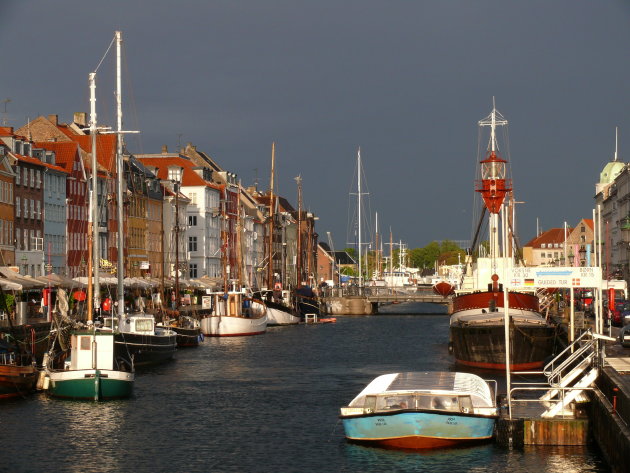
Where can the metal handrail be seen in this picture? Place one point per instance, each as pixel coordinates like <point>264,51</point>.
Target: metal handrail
<point>570,362</point>
<point>544,388</point>
<point>549,369</point>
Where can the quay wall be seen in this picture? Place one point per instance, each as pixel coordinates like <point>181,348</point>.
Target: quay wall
<point>609,418</point>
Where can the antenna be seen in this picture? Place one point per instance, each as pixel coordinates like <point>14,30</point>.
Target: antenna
<point>5,120</point>
<point>179,141</point>
<point>616,140</point>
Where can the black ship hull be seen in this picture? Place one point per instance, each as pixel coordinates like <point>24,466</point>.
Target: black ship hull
<point>484,346</point>
<point>145,350</point>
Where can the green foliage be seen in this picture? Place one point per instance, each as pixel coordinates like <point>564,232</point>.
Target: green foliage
<point>9,300</point>
<point>351,251</point>
<point>444,252</point>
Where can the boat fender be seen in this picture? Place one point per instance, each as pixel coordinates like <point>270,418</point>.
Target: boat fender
<point>450,348</point>
<point>46,383</point>
<point>201,337</point>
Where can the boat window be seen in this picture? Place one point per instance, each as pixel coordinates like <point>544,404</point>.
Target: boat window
<point>395,402</point>
<point>370,403</point>
<point>424,402</point>
<point>85,343</point>
<point>465,404</point>
<point>144,325</point>
<point>445,403</point>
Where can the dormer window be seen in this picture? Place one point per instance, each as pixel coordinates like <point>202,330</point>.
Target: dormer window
<point>543,245</point>
<point>175,173</point>
<point>18,147</point>
<point>27,149</point>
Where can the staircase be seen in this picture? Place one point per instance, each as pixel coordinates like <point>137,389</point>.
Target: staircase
<point>570,373</point>
<point>545,300</point>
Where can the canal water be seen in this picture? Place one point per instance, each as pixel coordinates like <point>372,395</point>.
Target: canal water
<point>268,403</point>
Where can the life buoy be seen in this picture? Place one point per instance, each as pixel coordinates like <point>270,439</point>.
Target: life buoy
<point>277,286</point>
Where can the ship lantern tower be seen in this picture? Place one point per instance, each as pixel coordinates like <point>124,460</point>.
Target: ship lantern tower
<point>493,186</point>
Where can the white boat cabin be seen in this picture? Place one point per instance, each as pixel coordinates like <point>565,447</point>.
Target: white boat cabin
<point>440,391</point>
<point>91,350</point>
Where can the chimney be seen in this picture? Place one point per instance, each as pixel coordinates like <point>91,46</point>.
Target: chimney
<point>164,149</point>
<point>54,119</point>
<point>80,118</point>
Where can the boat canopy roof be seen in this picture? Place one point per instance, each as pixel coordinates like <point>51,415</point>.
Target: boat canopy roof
<point>429,382</point>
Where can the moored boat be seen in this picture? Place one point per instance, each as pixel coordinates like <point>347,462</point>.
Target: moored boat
<point>477,325</point>
<point>419,410</point>
<point>188,331</point>
<point>234,315</point>
<point>147,343</point>
<point>17,377</point>
<point>93,372</point>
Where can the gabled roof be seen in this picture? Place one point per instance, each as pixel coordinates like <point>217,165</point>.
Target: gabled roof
<point>589,222</point>
<point>28,159</point>
<point>65,152</point>
<point>105,149</point>
<point>554,235</point>
<point>163,162</point>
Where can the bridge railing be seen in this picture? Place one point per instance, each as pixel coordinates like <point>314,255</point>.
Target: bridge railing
<point>369,291</point>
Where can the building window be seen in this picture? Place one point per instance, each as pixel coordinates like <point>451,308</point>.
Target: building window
<point>193,198</point>
<point>192,243</point>
<point>18,242</point>
<point>18,207</point>
<point>582,229</point>
<point>192,270</point>
<point>32,172</point>
<point>174,174</point>
<point>192,220</point>
<point>18,170</point>
<point>543,245</point>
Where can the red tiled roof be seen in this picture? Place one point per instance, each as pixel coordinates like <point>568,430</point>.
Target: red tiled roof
<point>65,129</point>
<point>6,131</point>
<point>28,159</point>
<point>589,222</point>
<point>56,168</point>
<point>65,152</point>
<point>554,235</point>
<point>105,149</point>
<point>189,177</point>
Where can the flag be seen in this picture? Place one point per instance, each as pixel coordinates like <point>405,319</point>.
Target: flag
<point>529,282</point>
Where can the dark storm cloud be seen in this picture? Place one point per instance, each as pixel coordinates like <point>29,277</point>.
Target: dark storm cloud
<point>405,80</point>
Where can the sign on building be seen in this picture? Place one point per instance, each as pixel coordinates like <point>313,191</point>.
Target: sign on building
<point>563,276</point>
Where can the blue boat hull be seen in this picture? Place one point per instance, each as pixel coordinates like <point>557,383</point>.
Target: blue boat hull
<point>418,429</point>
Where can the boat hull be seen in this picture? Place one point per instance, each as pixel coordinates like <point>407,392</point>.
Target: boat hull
<point>233,326</point>
<point>477,331</point>
<point>91,385</point>
<point>146,350</point>
<point>16,380</point>
<point>187,337</point>
<point>277,316</point>
<point>484,346</point>
<point>418,430</point>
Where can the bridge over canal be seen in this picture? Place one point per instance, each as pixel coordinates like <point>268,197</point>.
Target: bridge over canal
<point>366,300</point>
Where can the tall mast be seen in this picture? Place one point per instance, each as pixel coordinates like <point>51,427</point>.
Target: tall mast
<point>359,212</point>
<point>271,218</point>
<point>120,264</point>
<point>92,227</point>
<point>224,239</point>
<point>94,202</point>
<point>493,186</point>
<point>299,233</point>
<point>376,253</point>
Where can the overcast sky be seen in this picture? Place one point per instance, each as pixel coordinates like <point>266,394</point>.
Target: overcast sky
<point>406,80</point>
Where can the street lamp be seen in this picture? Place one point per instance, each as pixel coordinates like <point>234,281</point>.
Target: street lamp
<point>582,252</point>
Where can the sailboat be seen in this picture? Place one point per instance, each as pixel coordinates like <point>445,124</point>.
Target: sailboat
<point>135,333</point>
<point>234,311</point>
<point>94,371</point>
<point>278,312</point>
<point>477,325</point>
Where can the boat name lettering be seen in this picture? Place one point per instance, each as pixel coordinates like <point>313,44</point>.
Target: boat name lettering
<point>380,422</point>
<point>451,421</point>
<point>545,282</point>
